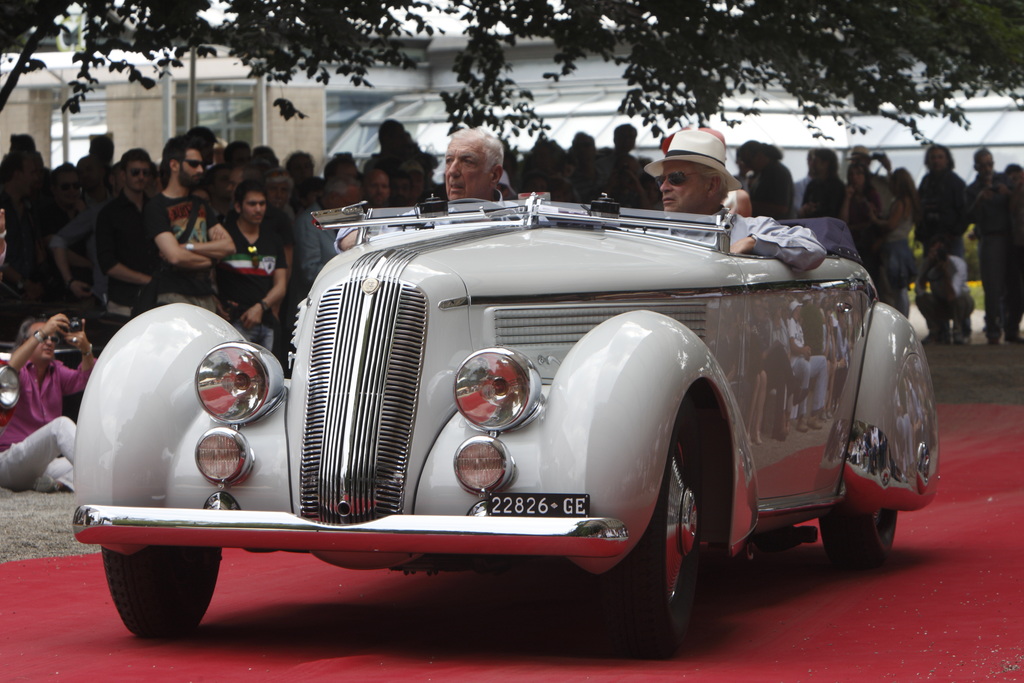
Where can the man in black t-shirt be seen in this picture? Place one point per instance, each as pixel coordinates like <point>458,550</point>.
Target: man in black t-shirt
<point>251,282</point>
<point>185,229</point>
<point>126,254</point>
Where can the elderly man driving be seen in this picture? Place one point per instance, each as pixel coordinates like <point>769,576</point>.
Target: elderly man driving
<point>472,165</point>
<point>692,178</point>
<point>472,169</point>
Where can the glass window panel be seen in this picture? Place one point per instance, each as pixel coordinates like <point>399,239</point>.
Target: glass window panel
<point>225,108</point>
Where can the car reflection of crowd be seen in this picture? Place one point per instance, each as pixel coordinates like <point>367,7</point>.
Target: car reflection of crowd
<point>875,455</point>
<point>797,361</point>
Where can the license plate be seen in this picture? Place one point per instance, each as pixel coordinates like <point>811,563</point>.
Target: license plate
<point>539,505</point>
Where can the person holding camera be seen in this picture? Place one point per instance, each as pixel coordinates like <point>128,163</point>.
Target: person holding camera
<point>943,294</point>
<point>32,446</point>
<point>880,181</point>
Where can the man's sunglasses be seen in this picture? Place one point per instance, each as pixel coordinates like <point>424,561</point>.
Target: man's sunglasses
<point>676,178</point>
<point>136,172</point>
<point>52,338</point>
<point>70,186</point>
<point>194,163</point>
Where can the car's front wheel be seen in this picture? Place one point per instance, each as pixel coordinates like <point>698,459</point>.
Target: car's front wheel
<point>649,595</point>
<point>162,592</point>
<point>858,541</point>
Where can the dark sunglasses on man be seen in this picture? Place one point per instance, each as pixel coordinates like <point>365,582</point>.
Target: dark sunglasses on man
<point>675,178</point>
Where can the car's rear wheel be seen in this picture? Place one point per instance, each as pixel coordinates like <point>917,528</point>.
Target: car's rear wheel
<point>162,592</point>
<point>858,541</point>
<point>649,595</point>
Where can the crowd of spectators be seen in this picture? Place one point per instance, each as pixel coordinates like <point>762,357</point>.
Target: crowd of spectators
<point>60,248</point>
<point>887,214</point>
<point>229,228</point>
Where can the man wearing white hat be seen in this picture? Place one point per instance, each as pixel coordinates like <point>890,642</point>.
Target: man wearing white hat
<point>693,179</point>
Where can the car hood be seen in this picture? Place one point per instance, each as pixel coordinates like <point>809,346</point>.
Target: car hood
<point>546,261</point>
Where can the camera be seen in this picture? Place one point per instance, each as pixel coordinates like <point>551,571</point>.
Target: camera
<point>878,156</point>
<point>74,325</point>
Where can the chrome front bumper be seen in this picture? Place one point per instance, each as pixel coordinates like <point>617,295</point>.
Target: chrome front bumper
<point>128,528</point>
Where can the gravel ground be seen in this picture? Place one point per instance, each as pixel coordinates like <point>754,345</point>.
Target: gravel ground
<point>39,525</point>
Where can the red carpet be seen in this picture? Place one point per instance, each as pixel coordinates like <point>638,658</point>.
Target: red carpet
<point>946,606</point>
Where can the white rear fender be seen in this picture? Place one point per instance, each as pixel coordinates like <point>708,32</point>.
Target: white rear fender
<point>892,459</point>
<point>139,404</point>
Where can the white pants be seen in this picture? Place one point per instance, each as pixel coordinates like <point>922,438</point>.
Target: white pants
<point>38,454</point>
<point>812,376</point>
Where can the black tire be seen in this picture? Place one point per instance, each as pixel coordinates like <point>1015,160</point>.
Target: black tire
<point>162,592</point>
<point>649,595</point>
<point>858,541</point>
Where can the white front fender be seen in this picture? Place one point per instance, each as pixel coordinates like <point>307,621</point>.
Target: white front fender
<point>138,403</point>
<point>605,428</point>
<point>613,406</point>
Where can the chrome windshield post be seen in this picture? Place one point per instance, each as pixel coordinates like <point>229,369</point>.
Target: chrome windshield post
<point>723,221</point>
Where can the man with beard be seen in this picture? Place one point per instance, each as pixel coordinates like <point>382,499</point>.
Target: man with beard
<point>180,224</point>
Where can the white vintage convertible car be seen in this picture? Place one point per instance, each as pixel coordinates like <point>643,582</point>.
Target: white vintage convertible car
<point>477,383</point>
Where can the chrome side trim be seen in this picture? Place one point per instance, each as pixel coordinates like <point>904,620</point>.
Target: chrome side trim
<point>458,302</point>
<point>560,536</point>
<point>655,295</point>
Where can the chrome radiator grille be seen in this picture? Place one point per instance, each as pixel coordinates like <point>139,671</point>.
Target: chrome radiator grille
<point>557,325</point>
<point>364,370</point>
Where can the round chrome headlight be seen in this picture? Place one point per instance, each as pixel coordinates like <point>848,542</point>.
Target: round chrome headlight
<point>10,387</point>
<point>497,389</point>
<point>239,382</point>
<point>223,456</point>
<point>482,464</point>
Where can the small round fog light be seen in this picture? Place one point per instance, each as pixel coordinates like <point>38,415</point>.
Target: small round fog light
<point>482,464</point>
<point>223,456</point>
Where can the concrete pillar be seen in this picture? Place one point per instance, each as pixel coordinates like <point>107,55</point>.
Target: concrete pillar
<point>298,135</point>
